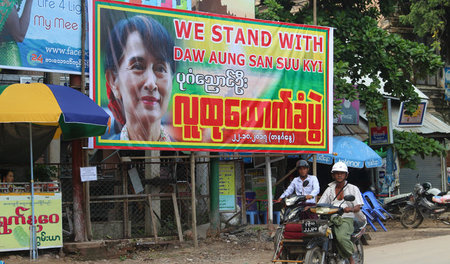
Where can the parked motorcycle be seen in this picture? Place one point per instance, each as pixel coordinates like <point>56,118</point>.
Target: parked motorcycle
<point>311,241</point>
<point>396,204</point>
<point>426,202</point>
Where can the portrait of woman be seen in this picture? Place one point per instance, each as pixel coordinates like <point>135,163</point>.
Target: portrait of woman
<point>13,29</point>
<point>139,69</point>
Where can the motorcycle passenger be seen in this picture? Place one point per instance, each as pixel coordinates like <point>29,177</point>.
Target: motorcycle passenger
<point>334,194</point>
<point>310,191</point>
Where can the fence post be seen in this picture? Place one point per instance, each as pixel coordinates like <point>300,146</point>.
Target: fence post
<point>152,214</point>
<point>177,217</point>
<point>194,214</point>
<point>125,201</point>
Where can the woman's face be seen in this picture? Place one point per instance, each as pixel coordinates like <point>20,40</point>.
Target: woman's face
<point>9,177</point>
<point>143,83</point>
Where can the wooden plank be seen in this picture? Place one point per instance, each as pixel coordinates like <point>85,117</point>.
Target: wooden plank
<point>177,217</point>
<point>155,231</point>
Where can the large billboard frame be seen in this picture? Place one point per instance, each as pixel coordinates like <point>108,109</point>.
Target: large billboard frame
<point>194,145</point>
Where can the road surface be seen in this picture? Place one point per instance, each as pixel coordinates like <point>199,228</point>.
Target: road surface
<point>433,250</point>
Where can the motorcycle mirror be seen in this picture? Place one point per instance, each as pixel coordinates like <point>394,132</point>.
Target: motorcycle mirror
<point>305,183</point>
<point>349,198</point>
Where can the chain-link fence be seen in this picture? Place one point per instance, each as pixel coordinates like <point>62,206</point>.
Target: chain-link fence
<point>125,194</point>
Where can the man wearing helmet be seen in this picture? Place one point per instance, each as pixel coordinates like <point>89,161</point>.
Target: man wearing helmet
<point>334,194</point>
<point>311,190</point>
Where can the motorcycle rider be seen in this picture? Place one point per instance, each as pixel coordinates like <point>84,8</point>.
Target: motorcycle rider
<point>310,191</point>
<point>334,194</point>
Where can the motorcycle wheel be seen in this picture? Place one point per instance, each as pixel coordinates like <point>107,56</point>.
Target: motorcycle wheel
<point>358,256</point>
<point>411,218</point>
<point>313,256</point>
<point>277,238</point>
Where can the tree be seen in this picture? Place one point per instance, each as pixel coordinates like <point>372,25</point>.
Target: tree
<point>428,18</point>
<point>363,50</point>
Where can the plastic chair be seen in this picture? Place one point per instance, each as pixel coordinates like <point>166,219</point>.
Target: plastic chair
<point>376,206</point>
<point>276,217</point>
<point>371,208</point>
<point>366,210</point>
<point>252,215</point>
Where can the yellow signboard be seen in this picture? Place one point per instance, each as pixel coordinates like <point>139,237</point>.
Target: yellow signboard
<point>227,191</point>
<point>16,220</point>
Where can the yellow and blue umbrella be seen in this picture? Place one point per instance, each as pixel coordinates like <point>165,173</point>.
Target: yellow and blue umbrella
<point>45,111</point>
<point>52,110</point>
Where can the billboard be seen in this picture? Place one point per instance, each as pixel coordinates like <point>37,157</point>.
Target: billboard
<point>350,113</point>
<point>415,119</point>
<point>182,80</point>
<point>16,220</point>
<point>45,35</point>
<point>383,134</point>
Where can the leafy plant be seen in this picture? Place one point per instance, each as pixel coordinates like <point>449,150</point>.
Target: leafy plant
<point>428,18</point>
<point>408,145</point>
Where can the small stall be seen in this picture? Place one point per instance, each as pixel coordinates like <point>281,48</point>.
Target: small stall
<point>16,219</point>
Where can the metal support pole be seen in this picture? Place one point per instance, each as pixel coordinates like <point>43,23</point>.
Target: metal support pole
<point>194,210</point>
<point>269,191</point>
<point>33,248</point>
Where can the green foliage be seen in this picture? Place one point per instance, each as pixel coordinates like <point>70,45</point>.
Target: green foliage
<point>363,51</point>
<point>409,144</point>
<point>428,17</point>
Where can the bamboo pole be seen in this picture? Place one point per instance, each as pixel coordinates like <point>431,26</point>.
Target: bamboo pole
<point>155,231</point>
<point>177,217</point>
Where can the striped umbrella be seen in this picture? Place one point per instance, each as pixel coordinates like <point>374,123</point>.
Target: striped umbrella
<point>32,114</point>
<point>52,110</point>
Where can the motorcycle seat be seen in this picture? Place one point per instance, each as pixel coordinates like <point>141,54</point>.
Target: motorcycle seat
<point>441,199</point>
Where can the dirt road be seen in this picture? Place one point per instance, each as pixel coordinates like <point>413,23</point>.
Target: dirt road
<point>249,245</point>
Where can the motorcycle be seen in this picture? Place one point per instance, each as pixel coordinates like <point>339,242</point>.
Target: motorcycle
<point>396,204</point>
<point>311,241</point>
<point>426,202</point>
<point>323,248</point>
<point>288,243</point>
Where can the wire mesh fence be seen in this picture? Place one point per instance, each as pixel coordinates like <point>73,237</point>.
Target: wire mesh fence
<point>137,199</point>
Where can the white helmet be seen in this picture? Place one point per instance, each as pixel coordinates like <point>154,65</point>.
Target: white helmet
<point>339,166</point>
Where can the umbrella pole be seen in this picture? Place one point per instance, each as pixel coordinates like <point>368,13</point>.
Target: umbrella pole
<point>33,248</point>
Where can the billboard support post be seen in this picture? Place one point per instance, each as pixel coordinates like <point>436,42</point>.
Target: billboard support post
<point>269,191</point>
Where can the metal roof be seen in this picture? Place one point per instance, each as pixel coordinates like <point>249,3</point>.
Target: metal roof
<point>431,124</point>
